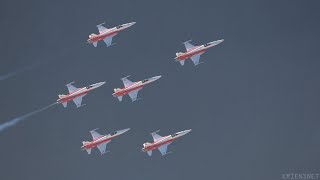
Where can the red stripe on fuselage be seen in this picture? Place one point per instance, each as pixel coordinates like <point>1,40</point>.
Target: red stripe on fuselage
<point>125,90</point>
<point>155,145</point>
<point>95,143</point>
<point>71,96</point>
<point>101,37</point>
<point>187,56</point>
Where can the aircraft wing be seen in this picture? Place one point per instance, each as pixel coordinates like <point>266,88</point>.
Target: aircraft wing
<point>156,136</point>
<point>101,28</point>
<point>134,94</point>
<point>108,40</point>
<point>102,147</point>
<point>126,82</point>
<point>78,100</point>
<point>188,45</point>
<point>196,59</point>
<point>95,135</point>
<point>163,149</point>
<point>71,88</point>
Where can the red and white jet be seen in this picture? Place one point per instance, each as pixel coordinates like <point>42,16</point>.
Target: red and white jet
<point>132,88</point>
<point>194,52</point>
<point>161,143</point>
<point>100,141</point>
<point>76,94</point>
<point>106,34</point>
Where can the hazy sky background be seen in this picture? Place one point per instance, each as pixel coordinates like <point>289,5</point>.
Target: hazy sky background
<point>253,105</point>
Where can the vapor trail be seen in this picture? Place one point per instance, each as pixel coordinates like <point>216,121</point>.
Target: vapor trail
<point>15,121</point>
<point>16,72</point>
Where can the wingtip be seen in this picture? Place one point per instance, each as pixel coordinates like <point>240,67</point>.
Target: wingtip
<point>102,23</point>
<point>70,83</point>
<point>94,129</point>
<point>155,131</point>
<point>125,77</point>
<point>187,41</point>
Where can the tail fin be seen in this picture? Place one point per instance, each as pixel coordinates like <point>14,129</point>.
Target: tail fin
<point>91,35</point>
<point>61,96</point>
<point>116,89</point>
<point>178,53</point>
<point>85,143</point>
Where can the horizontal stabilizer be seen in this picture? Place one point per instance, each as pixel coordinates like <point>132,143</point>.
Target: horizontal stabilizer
<point>88,151</point>
<point>120,98</point>
<point>149,153</point>
<point>64,104</point>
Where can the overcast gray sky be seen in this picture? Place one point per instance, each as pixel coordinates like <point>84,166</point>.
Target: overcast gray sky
<point>253,105</point>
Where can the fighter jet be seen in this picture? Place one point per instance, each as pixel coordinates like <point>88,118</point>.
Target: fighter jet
<point>194,52</point>
<point>76,94</point>
<point>132,88</point>
<point>106,34</point>
<point>100,141</point>
<point>161,143</point>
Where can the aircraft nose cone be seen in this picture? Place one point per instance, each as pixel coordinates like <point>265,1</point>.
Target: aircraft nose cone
<point>185,132</point>
<point>189,130</point>
<point>220,41</point>
<point>217,42</point>
<point>100,84</point>
<point>132,23</point>
<point>157,77</point>
<point>123,131</point>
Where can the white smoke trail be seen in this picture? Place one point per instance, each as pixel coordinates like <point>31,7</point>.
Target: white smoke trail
<point>15,121</point>
<point>16,72</point>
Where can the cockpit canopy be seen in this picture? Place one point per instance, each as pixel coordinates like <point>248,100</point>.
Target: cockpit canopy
<point>120,26</point>
<point>145,80</point>
<point>208,44</point>
<point>88,87</point>
<point>173,135</point>
<point>113,133</point>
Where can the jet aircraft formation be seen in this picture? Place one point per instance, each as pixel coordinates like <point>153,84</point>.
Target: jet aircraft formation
<point>130,88</point>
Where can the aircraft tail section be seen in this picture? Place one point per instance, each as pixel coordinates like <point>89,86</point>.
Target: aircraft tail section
<point>62,96</point>
<point>116,89</point>
<point>92,35</point>
<point>178,53</point>
<point>85,143</point>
